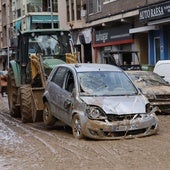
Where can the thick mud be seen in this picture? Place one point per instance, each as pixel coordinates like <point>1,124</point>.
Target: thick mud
<point>32,147</point>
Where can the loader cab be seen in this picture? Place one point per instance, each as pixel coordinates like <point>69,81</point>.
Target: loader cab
<point>49,45</point>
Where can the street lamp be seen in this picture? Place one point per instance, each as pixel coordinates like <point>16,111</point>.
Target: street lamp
<point>51,9</point>
<point>7,33</point>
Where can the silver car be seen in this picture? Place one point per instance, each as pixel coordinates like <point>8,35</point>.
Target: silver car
<point>98,101</point>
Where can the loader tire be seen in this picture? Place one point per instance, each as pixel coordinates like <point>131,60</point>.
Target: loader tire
<point>25,100</point>
<point>12,91</point>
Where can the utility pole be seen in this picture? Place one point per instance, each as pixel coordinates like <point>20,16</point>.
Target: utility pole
<point>51,9</point>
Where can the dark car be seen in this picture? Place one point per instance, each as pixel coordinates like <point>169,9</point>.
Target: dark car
<point>98,101</point>
<point>154,87</point>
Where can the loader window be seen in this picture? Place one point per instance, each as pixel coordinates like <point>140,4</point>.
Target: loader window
<point>49,45</point>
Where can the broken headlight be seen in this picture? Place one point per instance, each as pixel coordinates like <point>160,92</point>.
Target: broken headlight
<point>95,113</point>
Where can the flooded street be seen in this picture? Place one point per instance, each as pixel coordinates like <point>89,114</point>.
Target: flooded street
<point>31,146</point>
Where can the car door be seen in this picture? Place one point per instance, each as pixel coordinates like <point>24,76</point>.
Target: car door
<point>67,97</point>
<point>56,91</point>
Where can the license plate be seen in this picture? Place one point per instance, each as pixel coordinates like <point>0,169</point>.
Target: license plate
<point>120,128</point>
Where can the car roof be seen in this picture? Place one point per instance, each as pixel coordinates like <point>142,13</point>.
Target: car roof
<point>85,67</point>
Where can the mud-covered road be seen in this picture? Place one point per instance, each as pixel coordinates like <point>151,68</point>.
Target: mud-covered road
<point>31,147</point>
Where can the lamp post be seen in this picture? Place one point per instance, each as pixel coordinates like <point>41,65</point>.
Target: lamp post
<point>7,33</point>
<point>51,9</point>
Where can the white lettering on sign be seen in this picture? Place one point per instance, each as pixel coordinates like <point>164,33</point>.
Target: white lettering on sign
<point>150,13</point>
<point>102,37</point>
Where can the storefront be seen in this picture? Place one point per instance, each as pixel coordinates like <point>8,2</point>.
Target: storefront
<point>157,16</point>
<point>111,39</point>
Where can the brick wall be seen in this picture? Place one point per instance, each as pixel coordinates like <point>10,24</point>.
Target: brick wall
<point>117,7</point>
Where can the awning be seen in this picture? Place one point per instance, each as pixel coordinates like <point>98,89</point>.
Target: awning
<point>44,18</point>
<point>142,29</point>
<point>84,36</point>
<point>18,25</point>
<point>161,21</point>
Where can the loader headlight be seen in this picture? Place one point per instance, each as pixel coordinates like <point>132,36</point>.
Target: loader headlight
<point>95,113</point>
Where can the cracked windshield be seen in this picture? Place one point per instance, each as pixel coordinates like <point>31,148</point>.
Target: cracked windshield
<point>105,83</point>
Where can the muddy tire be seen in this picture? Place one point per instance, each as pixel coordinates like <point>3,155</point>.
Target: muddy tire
<point>25,100</point>
<point>76,127</point>
<point>12,91</point>
<point>48,118</point>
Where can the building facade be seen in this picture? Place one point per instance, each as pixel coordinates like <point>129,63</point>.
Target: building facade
<point>21,15</point>
<point>5,31</point>
<point>75,21</point>
<point>97,26</point>
<point>118,25</point>
<point>30,14</point>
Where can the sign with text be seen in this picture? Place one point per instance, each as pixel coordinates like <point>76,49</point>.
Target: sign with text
<point>113,34</point>
<point>154,12</point>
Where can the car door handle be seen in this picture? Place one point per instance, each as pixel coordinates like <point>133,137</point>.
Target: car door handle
<point>67,103</point>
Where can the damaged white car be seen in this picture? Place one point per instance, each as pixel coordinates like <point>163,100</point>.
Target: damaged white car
<point>98,101</point>
<point>154,87</point>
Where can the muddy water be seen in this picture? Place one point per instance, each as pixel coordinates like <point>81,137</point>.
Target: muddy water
<point>31,146</point>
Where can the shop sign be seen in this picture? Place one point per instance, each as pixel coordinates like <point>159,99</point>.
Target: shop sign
<point>154,12</point>
<point>113,34</point>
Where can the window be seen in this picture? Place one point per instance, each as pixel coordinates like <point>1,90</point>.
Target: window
<point>68,12</point>
<point>78,8</point>
<point>72,10</point>
<point>59,75</point>
<point>98,5</point>
<point>90,7</point>
<point>69,85</point>
<point>18,13</point>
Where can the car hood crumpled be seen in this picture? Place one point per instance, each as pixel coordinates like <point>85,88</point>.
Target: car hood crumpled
<point>119,105</point>
<point>155,90</point>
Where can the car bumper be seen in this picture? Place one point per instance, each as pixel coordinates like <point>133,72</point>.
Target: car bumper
<point>121,129</point>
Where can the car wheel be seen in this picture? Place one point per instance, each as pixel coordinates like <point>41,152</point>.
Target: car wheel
<point>48,118</point>
<point>76,127</point>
